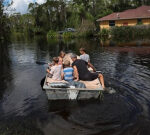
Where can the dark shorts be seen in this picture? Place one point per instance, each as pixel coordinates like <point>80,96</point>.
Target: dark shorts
<point>89,77</point>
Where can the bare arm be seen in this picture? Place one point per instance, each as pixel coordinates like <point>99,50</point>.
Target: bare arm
<point>90,65</point>
<point>62,75</point>
<point>76,74</point>
<point>48,71</point>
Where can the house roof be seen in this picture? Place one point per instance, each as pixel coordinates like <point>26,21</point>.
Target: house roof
<point>140,12</point>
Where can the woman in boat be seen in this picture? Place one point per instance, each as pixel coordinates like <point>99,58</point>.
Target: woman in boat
<point>80,66</point>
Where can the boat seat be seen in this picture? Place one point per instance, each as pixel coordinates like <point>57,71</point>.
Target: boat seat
<point>95,84</point>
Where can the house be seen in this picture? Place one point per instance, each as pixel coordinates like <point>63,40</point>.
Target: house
<point>131,17</point>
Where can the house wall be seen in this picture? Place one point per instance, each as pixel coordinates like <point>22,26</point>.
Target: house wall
<point>131,22</point>
<point>104,25</point>
<point>146,21</point>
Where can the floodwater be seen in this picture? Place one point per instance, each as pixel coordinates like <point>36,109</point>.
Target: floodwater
<point>25,110</point>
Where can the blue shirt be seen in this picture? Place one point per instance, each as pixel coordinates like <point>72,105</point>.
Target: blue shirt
<point>68,74</point>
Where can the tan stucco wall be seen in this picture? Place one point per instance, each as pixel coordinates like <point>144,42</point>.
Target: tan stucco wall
<point>105,24</point>
<point>130,22</point>
<point>146,21</point>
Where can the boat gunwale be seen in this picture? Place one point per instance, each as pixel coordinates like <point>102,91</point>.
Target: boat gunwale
<point>65,89</point>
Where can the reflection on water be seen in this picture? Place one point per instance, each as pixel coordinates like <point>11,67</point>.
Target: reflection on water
<point>24,108</point>
<point>5,69</point>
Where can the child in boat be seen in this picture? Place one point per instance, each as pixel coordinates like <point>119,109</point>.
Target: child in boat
<point>84,56</point>
<point>55,70</point>
<point>68,72</point>
<point>60,57</point>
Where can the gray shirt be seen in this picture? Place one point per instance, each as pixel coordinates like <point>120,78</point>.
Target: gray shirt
<point>85,57</point>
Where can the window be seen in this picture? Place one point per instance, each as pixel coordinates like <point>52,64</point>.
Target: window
<point>125,24</point>
<point>139,21</point>
<point>111,23</point>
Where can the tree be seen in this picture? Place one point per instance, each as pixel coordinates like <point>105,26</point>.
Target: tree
<point>4,23</point>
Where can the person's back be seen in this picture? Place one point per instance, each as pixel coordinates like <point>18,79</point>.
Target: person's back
<point>82,69</point>
<point>68,72</point>
<point>56,72</point>
<point>84,56</point>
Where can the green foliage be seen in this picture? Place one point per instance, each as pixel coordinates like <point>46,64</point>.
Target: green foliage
<point>38,30</point>
<point>4,24</point>
<point>140,23</point>
<point>129,33</point>
<point>85,34</point>
<point>79,14</point>
<point>52,34</point>
<point>22,24</point>
<point>104,12</point>
<point>104,34</point>
<point>68,35</point>
<point>86,29</point>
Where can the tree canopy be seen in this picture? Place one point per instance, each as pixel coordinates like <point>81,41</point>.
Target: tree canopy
<point>4,23</point>
<point>59,14</point>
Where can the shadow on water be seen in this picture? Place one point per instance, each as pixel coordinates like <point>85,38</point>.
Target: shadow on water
<point>24,108</point>
<point>5,67</point>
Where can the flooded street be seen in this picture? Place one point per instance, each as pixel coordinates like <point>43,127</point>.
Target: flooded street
<point>25,109</point>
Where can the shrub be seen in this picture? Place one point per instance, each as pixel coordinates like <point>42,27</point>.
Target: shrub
<point>68,35</point>
<point>52,34</point>
<point>104,34</point>
<point>128,33</point>
<point>38,31</point>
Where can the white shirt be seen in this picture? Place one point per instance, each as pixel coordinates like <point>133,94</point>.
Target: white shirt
<point>56,72</point>
<point>85,57</point>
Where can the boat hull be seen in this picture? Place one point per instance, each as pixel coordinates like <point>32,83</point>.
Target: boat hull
<point>71,93</point>
<point>62,94</point>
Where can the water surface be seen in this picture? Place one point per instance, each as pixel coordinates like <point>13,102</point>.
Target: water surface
<point>24,108</point>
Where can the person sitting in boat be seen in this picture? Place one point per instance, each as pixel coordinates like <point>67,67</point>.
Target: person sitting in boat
<point>68,72</point>
<point>84,56</point>
<point>55,70</point>
<point>61,56</point>
<point>84,74</point>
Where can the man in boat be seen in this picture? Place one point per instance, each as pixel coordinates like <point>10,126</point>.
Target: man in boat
<point>81,70</point>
